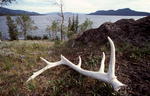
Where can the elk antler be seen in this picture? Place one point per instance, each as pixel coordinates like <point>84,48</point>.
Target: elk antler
<point>108,77</point>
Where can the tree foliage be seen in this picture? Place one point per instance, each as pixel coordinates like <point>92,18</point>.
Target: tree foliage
<point>12,28</point>
<point>53,30</point>
<point>76,23</point>
<point>6,2</point>
<point>26,24</point>
<point>72,26</point>
<point>87,24</point>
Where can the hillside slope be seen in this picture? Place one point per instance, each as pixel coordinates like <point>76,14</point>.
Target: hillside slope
<point>121,12</point>
<point>6,11</point>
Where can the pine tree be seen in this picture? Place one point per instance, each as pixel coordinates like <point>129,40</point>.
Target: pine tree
<point>73,24</point>
<point>76,23</point>
<point>69,24</point>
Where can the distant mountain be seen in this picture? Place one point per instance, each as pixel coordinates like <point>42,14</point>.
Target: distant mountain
<point>65,13</point>
<point>6,11</point>
<point>121,12</point>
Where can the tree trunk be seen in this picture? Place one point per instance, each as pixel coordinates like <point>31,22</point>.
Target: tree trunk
<point>62,21</point>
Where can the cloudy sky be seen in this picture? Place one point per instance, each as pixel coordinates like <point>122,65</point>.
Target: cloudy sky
<point>80,6</point>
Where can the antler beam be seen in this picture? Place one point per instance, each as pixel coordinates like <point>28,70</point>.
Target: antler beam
<point>108,77</point>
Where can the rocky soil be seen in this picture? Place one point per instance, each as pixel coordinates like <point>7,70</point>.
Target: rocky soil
<point>132,39</point>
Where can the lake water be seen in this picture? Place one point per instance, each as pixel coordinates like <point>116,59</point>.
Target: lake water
<point>45,20</point>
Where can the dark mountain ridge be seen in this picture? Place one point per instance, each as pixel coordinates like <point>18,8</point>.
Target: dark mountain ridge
<point>121,12</point>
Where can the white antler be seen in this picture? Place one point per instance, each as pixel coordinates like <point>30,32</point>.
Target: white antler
<point>108,77</point>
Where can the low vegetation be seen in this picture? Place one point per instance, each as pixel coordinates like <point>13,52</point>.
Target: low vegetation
<point>18,63</point>
<point>0,35</point>
<point>19,59</point>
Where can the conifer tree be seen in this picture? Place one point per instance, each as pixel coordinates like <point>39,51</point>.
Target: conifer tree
<point>69,24</point>
<point>73,24</point>
<point>76,23</point>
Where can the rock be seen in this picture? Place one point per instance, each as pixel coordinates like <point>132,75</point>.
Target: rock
<point>124,30</point>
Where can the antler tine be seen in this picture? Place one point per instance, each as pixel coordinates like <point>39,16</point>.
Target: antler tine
<point>102,64</point>
<point>65,61</point>
<point>111,70</point>
<point>80,61</point>
<point>49,65</point>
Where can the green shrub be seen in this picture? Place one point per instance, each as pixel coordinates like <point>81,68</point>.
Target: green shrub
<point>29,37</point>
<point>0,35</point>
<point>45,37</point>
